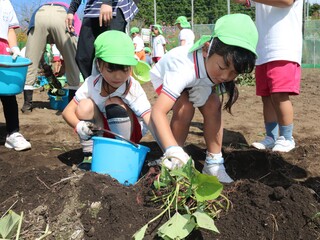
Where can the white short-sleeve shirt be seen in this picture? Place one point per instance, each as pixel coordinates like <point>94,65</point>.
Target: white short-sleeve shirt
<point>157,46</point>
<point>179,70</point>
<point>136,98</point>
<point>8,18</point>
<point>280,32</point>
<point>139,43</point>
<point>187,35</point>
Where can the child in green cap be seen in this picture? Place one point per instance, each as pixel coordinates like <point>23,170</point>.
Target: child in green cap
<point>188,79</point>
<point>110,98</point>
<point>186,35</point>
<point>158,43</point>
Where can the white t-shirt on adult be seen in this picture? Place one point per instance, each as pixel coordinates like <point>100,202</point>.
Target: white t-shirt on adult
<point>178,70</point>
<point>157,46</point>
<point>136,98</point>
<point>187,35</point>
<point>280,32</point>
<point>8,18</point>
<point>139,43</point>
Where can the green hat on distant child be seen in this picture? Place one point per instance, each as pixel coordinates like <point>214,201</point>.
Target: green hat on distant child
<point>134,30</point>
<point>235,30</point>
<point>115,47</point>
<point>183,22</point>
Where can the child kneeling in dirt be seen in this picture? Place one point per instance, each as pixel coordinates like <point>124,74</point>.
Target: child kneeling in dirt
<point>188,79</point>
<point>110,98</point>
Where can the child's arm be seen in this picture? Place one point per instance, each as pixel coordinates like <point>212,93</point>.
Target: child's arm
<point>12,41</point>
<point>160,122</point>
<point>69,114</point>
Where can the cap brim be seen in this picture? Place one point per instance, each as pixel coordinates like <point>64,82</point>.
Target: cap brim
<point>121,60</point>
<point>199,44</point>
<point>236,42</point>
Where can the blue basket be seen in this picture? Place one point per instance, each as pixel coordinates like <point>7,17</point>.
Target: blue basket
<point>59,102</point>
<point>13,74</point>
<point>119,159</point>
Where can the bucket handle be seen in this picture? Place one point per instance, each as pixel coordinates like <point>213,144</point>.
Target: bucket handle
<point>117,135</point>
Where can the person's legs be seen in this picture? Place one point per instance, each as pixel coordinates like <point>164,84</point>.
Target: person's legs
<point>35,46</point>
<point>285,78</point>
<point>88,111</point>
<point>269,115</point>
<point>213,133</point>
<point>66,44</point>
<point>14,139</point>
<point>85,49</point>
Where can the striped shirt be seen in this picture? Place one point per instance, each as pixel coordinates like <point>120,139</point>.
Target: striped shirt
<point>92,8</point>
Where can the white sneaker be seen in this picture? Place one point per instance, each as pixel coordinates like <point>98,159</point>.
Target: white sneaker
<point>218,170</point>
<point>283,145</point>
<point>267,143</point>
<point>17,141</point>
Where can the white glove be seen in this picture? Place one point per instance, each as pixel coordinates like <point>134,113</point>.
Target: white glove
<point>199,95</point>
<point>83,128</point>
<point>15,52</point>
<point>175,157</point>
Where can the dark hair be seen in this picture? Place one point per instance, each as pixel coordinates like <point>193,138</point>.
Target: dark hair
<point>243,61</point>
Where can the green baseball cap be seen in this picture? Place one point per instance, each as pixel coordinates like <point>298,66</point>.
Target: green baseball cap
<point>233,29</point>
<point>147,50</point>
<point>183,22</point>
<point>134,30</point>
<point>115,47</point>
<point>157,26</point>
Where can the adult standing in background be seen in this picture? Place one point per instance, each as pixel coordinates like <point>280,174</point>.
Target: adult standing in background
<point>278,70</point>
<point>99,16</point>
<point>186,35</point>
<point>47,25</point>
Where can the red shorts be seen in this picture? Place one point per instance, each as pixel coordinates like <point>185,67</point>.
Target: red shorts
<point>156,59</point>
<point>278,76</point>
<point>3,47</point>
<point>136,134</point>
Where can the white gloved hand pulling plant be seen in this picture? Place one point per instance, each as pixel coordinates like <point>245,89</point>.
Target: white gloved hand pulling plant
<point>175,157</point>
<point>84,129</point>
<point>199,95</point>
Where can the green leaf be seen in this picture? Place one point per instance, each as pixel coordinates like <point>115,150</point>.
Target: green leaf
<point>8,224</point>
<point>177,227</point>
<point>205,221</point>
<point>139,235</point>
<point>207,187</point>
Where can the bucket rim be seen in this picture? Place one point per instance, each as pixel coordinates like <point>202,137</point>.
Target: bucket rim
<point>15,64</point>
<point>124,142</point>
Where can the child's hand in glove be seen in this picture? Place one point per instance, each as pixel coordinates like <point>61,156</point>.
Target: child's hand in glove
<point>15,52</point>
<point>175,157</point>
<point>199,95</point>
<point>85,130</point>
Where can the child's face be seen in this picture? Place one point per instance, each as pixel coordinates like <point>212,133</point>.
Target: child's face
<point>155,31</point>
<point>218,71</point>
<point>114,77</point>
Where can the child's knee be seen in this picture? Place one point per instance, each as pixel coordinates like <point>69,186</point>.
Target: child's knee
<point>85,109</point>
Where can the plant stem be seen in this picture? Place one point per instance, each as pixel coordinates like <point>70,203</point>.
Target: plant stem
<point>166,209</point>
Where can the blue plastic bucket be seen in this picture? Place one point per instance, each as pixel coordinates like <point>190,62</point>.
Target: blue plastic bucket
<point>119,159</point>
<point>13,74</point>
<point>59,102</point>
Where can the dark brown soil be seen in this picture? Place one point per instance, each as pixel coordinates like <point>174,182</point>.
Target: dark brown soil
<point>274,196</point>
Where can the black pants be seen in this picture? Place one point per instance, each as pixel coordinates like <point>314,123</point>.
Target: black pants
<point>90,30</point>
<point>10,110</point>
